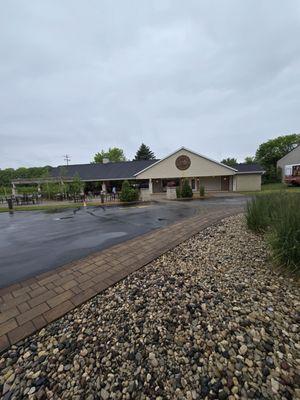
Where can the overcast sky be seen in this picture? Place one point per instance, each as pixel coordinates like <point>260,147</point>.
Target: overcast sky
<point>219,77</point>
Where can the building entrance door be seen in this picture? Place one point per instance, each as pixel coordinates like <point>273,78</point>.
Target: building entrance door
<point>225,183</point>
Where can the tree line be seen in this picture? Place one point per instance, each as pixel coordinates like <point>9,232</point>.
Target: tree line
<point>9,174</point>
<point>114,154</point>
<point>267,155</point>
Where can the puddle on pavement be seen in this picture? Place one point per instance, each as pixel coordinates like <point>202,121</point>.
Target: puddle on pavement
<point>83,211</point>
<point>87,241</point>
<point>55,211</point>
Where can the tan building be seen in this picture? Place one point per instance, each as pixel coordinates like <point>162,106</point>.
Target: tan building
<point>200,171</point>
<point>290,159</point>
<point>162,176</point>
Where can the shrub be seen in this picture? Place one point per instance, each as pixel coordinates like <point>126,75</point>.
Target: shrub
<point>76,186</point>
<point>257,215</point>
<point>178,192</point>
<point>278,215</point>
<point>26,189</point>
<point>284,237</point>
<point>264,209</point>
<point>128,193</point>
<point>5,190</point>
<point>50,189</point>
<point>202,191</point>
<point>186,191</point>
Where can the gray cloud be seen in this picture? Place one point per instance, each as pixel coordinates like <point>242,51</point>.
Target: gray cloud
<point>75,77</point>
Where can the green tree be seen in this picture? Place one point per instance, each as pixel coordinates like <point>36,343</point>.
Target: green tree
<point>231,162</point>
<point>114,154</point>
<point>76,186</point>
<point>144,153</point>
<point>270,152</point>
<point>51,189</point>
<point>6,175</point>
<point>250,160</point>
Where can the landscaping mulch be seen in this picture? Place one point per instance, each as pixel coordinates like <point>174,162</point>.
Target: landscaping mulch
<point>210,319</point>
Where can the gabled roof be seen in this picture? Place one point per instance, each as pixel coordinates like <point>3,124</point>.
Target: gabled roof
<point>287,154</point>
<point>244,168</point>
<point>190,151</point>
<point>109,171</point>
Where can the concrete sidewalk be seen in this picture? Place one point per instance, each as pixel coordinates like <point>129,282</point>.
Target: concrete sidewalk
<point>32,304</point>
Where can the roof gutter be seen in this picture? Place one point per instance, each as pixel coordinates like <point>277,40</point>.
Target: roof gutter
<point>250,172</point>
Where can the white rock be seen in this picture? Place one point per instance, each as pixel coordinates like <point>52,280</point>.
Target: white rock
<point>104,394</point>
<point>83,352</point>
<point>32,390</point>
<point>274,385</point>
<point>243,349</point>
<point>60,368</point>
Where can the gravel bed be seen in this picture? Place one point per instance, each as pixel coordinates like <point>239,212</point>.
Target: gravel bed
<point>208,320</point>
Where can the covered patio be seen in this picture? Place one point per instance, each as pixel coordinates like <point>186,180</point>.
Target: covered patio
<point>211,183</point>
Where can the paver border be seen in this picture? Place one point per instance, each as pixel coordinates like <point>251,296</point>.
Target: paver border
<point>30,305</point>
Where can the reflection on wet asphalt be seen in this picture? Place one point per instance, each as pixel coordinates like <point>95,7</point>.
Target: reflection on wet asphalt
<point>36,241</point>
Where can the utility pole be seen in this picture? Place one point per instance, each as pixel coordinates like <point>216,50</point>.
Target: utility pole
<point>67,158</point>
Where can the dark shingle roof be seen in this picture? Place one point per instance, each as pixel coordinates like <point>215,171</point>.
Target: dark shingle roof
<point>111,170</point>
<point>122,170</point>
<point>248,167</point>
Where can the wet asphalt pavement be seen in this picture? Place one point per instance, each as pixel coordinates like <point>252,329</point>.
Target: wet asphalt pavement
<point>33,242</point>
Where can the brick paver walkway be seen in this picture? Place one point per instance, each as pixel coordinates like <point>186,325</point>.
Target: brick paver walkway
<point>32,304</point>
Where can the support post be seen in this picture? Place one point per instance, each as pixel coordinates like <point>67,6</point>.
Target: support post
<point>13,190</point>
<point>150,186</point>
<point>234,183</point>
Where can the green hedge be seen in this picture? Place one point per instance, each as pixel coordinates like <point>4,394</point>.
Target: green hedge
<point>278,216</point>
<point>128,193</point>
<point>185,191</point>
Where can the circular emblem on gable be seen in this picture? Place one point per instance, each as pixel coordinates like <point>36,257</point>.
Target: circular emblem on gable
<point>183,162</point>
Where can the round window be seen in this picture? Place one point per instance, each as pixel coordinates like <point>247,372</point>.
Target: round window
<point>183,162</point>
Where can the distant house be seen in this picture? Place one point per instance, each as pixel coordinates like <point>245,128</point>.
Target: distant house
<point>290,159</point>
<point>156,176</point>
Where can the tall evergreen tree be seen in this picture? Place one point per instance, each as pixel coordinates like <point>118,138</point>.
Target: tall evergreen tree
<point>144,153</point>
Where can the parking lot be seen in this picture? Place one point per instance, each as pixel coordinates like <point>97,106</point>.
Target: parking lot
<point>36,241</point>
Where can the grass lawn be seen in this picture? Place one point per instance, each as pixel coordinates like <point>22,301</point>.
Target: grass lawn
<point>57,207</point>
<point>274,187</point>
<point>41,207</point>
<point>49,207</point>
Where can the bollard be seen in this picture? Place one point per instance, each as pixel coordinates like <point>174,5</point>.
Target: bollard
<point>102,198</point>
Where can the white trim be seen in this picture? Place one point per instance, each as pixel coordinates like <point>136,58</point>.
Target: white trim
<point>105,179</point>
<point>251,172</point>
<point>191,151</point>
<point>292,165</point>
<point>69,179</point>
